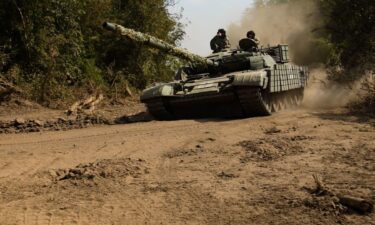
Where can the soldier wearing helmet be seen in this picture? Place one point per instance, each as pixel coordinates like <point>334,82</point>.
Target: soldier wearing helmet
<point>251,36</point>
<point>220,41</point>
<point>250,43</point>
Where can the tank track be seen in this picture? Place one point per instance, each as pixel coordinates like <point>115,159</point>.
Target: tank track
<point>257,102</point>
<point>157,109</point>
<point>251,101</point>
<point>284,100</point>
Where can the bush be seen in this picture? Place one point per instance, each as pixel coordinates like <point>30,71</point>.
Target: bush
<point>60,46</point>
<point>366,101</point>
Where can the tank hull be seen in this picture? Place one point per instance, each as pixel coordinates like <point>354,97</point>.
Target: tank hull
<point>224,104</point>
<point>240,103</point>
<point>245,94</point>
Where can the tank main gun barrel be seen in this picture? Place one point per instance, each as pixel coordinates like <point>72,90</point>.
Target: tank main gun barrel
<point>157,43</point>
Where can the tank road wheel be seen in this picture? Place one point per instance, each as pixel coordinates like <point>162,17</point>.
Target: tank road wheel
<point>294,97</point>
<point>287,99</point>
<point>290,99</point>
<point>254,102</point>
<point>277,102</point>
<point>157,109</point>
<point>299,96</point>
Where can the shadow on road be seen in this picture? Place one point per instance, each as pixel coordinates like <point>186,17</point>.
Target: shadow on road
<point>136,118</point>
<point>147,117</point>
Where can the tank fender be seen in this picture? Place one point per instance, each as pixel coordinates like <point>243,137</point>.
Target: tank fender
<point>251,78</point>
<point>157,91</point>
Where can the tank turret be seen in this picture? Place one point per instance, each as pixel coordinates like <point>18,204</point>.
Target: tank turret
<point>157,43</point>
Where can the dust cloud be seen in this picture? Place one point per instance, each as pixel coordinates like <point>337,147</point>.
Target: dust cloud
<point>286,23</point>
<point>324,94</point>
<point>296,24</point>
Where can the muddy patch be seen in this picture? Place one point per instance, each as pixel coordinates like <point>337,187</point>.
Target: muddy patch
<point>272,130</point>
<point>227,175</point>
<point>155,187</point>
<point>181,152</point>
<point>266,149</point>
<point>326,205</point>
<point>192,149</point>
<point>26,126</point>
<point>360,156</point>
<point>21,125</point>
<point>332,201</point>
<point>103,169</point>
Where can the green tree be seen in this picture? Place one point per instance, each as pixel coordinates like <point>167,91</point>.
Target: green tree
<point>60,46</point>
<point>350,27</point>
<point>142,65</point>
<point>347,27</point>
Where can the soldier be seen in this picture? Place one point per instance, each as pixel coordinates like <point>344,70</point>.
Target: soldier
<point>251,36</point>
<point>220,41</point>
<point>250,43</point>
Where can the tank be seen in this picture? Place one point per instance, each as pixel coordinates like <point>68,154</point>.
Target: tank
<point>231,83</point>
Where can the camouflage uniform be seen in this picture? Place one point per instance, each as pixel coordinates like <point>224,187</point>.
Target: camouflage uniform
<point>253,41</point>
<point>219,42</point>
<point>255,44</point>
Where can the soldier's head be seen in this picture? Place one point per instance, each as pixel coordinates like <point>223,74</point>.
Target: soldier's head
<point>221,32</point>
<point>250,34</point>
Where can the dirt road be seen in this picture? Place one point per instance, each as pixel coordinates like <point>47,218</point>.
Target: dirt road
<point>248,171</point>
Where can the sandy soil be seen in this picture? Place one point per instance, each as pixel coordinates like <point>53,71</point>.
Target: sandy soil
<point>20,108</point>
<point>22,116</point>
<point>247,171</point>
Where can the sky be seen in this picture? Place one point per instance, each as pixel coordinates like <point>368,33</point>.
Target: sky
<point>205,17</point>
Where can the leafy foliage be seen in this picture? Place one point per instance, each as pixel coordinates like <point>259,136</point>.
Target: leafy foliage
<point>60,46</point>
<point>347,30</point>
<point>344,39</point>
<point>350,27</point>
